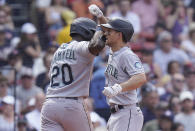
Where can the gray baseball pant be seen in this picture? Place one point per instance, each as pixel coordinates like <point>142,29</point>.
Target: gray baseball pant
<point>61,114</point>
<point>128,119</point>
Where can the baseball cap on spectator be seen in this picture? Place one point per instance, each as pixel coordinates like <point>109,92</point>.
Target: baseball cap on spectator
<point>186,95</point>
<point>28,28</point>
<point>164,35</point>
<point>26,73</point>
<point>167,115</point>
<point>8,100</point>
<point>68,16</point>
<point>147,88</point>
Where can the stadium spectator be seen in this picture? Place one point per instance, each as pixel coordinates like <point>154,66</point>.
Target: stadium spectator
<point>160,113</point>
<point>180,26</point>
<point>177,127</point>
<point>175,87</point>
<point>42,80</point>
<point>111,7</point>
<point>26,90</point>
<point>148,10</point>
<point>189,72</point>
<point>189,45</point>
<point>187,116</point>
<point>5,47</point>
<point>4,88</point>
<point>63,35</point>
<point>125,13</point>
<point>6,20</point>
<point>29,46</point>
<point>34,117</point>
<point>53,13</point>
<point>154,74</point>
<point>22,124</point>
<point>173,67</point>
<point>150,99</point>
<point>7,118</point>
<point>14,64</point>
<point>53,18</point>
<point>174,105</point>
<point>167,52</point>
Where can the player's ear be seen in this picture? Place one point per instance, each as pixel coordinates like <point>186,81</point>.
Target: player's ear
<point>120,34</point>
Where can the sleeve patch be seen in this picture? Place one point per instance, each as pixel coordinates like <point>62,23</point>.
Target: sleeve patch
<point>138,65</point>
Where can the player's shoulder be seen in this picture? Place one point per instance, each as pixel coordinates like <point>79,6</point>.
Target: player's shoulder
<point>78,43</point>
<point>128,53</point>
<point>73,44</point>
<point>128,56</point>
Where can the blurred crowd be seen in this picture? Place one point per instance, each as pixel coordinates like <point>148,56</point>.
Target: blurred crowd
<point>164,39</point>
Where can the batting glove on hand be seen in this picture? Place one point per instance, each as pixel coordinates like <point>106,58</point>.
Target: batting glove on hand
<point>95,10</point>
<point>112,90</point>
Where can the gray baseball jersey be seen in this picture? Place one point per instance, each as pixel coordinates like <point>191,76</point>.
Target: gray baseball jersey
<point>123,64</point>
<point>70,70</point>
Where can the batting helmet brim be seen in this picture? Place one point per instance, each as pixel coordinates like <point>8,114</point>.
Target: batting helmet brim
<point>107,25</point>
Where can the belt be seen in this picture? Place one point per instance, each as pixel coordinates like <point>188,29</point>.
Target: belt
<point>73,98</point>
<point>115,108</point>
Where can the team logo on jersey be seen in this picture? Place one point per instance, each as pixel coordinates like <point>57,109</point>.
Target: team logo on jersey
<point>111,70</point>
<point>64,45</point>
<point>138,65</point>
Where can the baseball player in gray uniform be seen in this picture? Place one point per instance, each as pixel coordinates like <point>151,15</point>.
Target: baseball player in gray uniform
<point>124,74</point>
<point>70,72</point>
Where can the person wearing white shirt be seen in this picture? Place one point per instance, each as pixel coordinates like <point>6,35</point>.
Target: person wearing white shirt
<point>34,117</point>
<point>187,116</point>
<point>167,52</point>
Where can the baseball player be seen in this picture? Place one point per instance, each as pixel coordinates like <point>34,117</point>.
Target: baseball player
<point>70,72</point>
<point>124,74</point>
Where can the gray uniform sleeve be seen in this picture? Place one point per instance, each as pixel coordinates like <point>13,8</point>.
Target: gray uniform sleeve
<point>132,65</point>
<point>82,49</point>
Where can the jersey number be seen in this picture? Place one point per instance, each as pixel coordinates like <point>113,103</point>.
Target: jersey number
<point>56,69</point>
